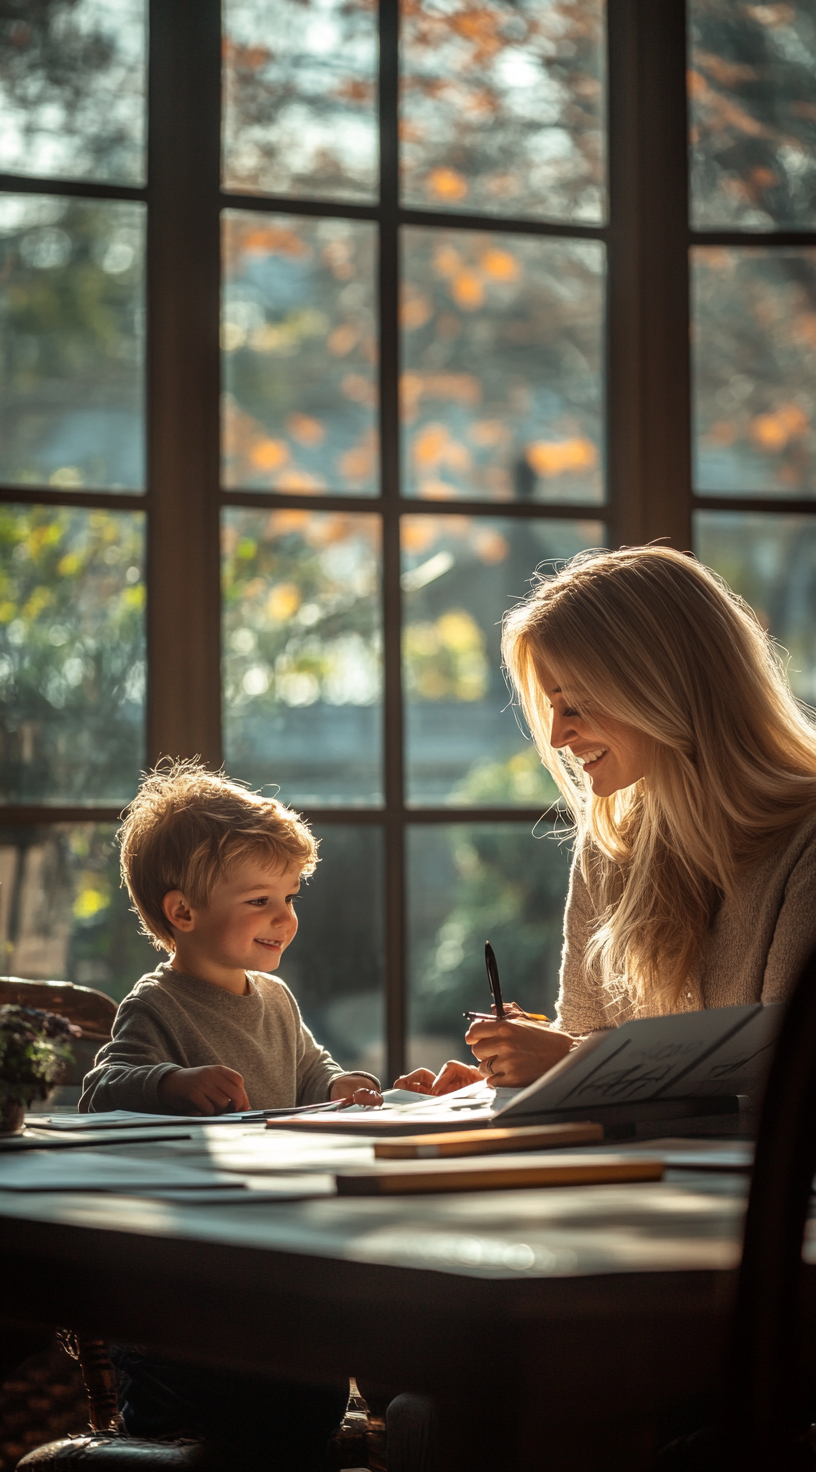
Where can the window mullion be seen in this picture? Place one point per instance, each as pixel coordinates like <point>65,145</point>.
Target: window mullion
<point>183,379</point>
<point>649,379</point>
<point>390,474</point>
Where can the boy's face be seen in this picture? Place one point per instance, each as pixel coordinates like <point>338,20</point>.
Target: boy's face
<point>249,921</point>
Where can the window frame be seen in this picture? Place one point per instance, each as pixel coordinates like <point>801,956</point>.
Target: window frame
<point>648,402</point>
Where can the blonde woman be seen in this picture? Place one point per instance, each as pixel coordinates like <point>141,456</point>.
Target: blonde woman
<point>662,710</point>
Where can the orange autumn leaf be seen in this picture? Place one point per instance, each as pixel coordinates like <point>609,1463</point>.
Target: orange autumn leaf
<point>269,454</point>
<point>342,340</point>
<point>284,600</point>
<point>447,261</point>
<point>418,534</point>
<point>773,431</point>
<point>358,463</point>
<point>411,385</point>
<point>281,523</point>
<point>447,184</point>
<point>305,429</point>
<point>436,490</point>
<point>415,312</point>
<point>429,445</point>
<point>554,457</point>
<point>491,547</point>
<point>273,240</point>
<point>721,433</point>
<point>300,482</point>
<point>467,290</point>
<point>500,264</point>
<point>463,388</point>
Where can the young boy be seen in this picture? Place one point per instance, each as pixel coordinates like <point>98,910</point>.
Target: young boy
<point>213,871</point>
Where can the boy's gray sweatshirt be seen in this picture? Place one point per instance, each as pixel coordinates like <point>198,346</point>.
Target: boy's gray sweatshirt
<point>172,1021</point>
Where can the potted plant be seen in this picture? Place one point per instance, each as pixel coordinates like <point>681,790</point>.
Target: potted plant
<point>33,1054</point>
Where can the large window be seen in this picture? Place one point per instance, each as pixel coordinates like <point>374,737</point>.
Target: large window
<point>323,330</point>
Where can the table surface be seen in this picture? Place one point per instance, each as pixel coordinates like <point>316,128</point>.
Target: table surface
<point>604,1303</point>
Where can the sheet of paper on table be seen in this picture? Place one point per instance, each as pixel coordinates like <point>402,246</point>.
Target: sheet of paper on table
<point>163,1179</point>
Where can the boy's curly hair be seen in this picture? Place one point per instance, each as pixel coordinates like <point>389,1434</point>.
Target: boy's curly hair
<point>187,827</point>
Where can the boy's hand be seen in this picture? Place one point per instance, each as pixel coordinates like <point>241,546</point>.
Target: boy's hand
<point>451,1076</point>
<point>211,1090</point>
<point>355,1088</point>
<point>418,1082</point>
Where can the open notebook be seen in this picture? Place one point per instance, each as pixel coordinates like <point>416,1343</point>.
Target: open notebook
<point>690,1055</point>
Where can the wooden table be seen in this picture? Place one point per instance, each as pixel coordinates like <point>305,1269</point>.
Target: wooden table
<point>555,1327</point>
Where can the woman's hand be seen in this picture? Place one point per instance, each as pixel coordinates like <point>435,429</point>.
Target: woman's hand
<point>513,1053</point>
<point>452,1075</point>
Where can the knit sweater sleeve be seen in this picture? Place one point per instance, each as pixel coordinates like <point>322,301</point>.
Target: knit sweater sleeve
<point>316,1069</point>
<point>794,937</point>
<point>579,1007</point>
<point>127,1071</point>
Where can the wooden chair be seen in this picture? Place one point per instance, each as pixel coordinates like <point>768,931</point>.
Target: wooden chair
<point>770,1397</point>
<point>769,1402</point>
<point>105,1448</point>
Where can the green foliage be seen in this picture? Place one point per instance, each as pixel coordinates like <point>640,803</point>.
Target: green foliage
<point>71,653</point>
<point>71,341</point>
<point>301,619</point>
<point>33,1052</point>
<point>501,885</point>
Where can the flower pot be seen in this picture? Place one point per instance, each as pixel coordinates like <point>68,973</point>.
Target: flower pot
<point>12,1117</point>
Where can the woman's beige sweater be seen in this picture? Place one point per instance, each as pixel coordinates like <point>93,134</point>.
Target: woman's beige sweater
<point>754,952</point>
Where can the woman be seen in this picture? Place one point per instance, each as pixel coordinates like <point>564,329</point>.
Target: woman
<point>662,710</point>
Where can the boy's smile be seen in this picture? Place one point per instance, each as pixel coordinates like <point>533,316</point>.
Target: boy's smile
<point>246,925</point>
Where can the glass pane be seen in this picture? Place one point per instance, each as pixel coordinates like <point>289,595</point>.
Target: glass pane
<point>72,651</point>
<point>72,343</point>
<point>468,884</point>
<point>503,107</point>
<point>339,983</point>
<point>299,354</point>
<point>72,90</point>
<point>63,914</point>
<point>771,561</point>
<point>302,650</point>
<point>463,743</point>
<point>754,355</point>
<point>502,393</point>
<point>753,117</point>
<point>300,98</point>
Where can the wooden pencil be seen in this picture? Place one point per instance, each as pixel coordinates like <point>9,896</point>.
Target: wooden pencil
<point>488,1141</point>
<point>421,1178</point>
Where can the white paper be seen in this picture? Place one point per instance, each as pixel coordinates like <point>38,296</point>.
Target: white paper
<point>117,1119</point>
<point>85,1170</point>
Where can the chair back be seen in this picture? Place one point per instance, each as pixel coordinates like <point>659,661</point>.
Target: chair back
<point>768,1399</point>
<point>89,1009</point>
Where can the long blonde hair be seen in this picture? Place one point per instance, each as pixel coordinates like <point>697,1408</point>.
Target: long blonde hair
<point>650,637</point>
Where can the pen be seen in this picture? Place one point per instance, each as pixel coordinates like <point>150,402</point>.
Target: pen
<point>493,979</point>
<point>489,1017</point>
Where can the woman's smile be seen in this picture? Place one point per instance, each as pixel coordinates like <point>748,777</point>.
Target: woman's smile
<point>590,760</point>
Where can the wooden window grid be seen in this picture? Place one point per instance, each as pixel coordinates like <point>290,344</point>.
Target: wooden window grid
<point>648,446</point>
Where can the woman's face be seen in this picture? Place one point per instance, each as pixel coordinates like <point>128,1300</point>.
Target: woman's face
<point>612,761</point>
